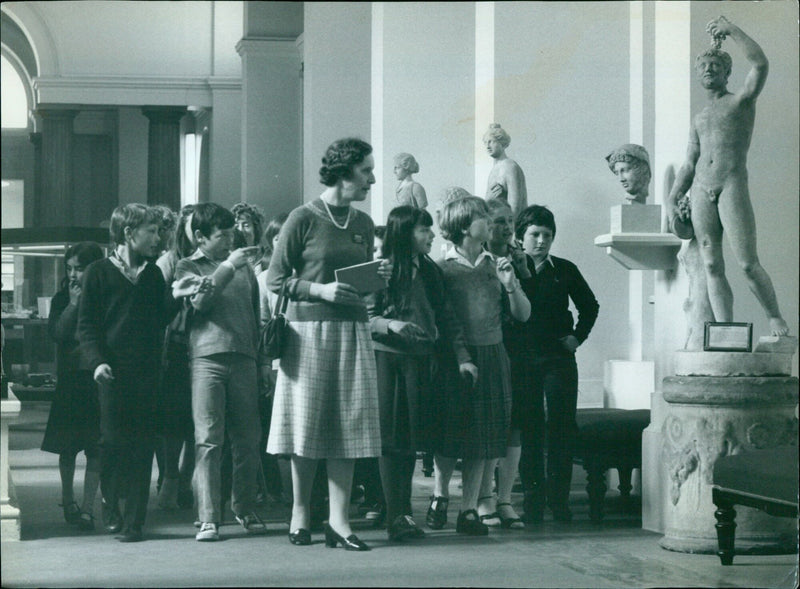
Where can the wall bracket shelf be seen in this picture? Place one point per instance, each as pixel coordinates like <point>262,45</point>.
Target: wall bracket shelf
<point>641,251</point>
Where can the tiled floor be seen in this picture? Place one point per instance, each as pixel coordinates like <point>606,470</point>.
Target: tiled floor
<point>616,554</point>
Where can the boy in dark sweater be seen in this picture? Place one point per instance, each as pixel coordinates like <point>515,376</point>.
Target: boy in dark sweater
<point>121,318</point>
<point>542,352</point>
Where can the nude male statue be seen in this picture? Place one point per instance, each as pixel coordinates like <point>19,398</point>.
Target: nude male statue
<point>506,180</point>
<point>715,169</point>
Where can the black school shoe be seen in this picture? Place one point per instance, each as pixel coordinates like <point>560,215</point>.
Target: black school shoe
<point>469,523</point>
<point>112,518</point>
<point>404,527</point>
<point>132,534</point>
<point>437,516</point>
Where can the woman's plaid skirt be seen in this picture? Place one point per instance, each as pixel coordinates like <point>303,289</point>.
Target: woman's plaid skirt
<point>326,395</point>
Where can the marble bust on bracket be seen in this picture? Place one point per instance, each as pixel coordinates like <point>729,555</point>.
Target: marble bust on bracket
<point>631,164</point>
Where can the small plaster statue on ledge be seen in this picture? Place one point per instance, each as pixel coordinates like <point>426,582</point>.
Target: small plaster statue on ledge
<point>631,164</point>
<point>715,170</point>
<point>506,180</point>
<point>408,192</point>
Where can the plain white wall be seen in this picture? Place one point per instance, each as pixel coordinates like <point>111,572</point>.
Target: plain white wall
<point>336,82</point>
<point>429,95</point>
<point>561,92</point>
<point>122,40</point>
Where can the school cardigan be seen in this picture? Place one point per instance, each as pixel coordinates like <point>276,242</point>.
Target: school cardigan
<point>428,307</point>
<point>477,296</point>
<point>310,249</point>
<point>122,321</point>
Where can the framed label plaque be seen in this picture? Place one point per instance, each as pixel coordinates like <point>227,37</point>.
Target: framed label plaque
<point>728,337</point>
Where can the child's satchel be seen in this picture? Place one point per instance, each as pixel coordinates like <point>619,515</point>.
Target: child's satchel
<point>273,334</point>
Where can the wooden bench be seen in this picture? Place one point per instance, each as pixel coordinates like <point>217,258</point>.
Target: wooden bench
<point>609,438</point>
<point>763,479</point>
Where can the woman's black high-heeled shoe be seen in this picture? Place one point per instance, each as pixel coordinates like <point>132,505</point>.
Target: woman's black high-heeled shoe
<point>72,513</point>
<point>300,537</point>
<point>350,543</point>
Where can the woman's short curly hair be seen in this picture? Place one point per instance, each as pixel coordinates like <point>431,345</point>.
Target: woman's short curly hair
<point>340,157</point>
<point>456,216</point>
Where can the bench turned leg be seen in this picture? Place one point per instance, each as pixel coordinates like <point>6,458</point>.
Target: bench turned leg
<point>596,488</point>
<point>625,472</point>
<point>726,530</point>
<point>427,464</point>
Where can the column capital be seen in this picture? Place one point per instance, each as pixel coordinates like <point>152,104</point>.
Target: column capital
<point>202,119</point>
<point>164,114</point>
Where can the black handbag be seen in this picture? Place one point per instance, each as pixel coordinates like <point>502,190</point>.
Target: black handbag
<point>273,334</point>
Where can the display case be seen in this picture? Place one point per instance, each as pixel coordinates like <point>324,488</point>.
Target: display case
<point>33,268</point>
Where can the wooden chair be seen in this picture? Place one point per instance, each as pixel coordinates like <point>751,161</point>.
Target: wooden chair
<point>764,479</point>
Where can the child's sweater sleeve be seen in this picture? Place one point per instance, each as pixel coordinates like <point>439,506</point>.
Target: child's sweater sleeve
<point>90,318</point>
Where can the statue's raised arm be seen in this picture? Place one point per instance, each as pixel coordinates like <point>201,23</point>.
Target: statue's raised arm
<point>719,29</point>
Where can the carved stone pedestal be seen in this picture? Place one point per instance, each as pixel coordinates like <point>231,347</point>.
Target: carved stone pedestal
<point>711,416</point>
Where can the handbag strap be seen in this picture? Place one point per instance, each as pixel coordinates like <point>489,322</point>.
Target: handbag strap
<point>283,301</point>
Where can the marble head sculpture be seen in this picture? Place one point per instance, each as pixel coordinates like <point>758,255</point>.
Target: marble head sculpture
<point>715,52</point>
<point>407,162</point>
<point>497,132</point>
<point>631,163</point>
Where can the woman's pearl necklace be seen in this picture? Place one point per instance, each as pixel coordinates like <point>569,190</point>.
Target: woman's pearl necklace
<point>347,221</point>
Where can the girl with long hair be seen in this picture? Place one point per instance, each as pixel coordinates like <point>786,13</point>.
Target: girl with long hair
<point>406,320</point>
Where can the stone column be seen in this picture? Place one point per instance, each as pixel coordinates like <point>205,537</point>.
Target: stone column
<point>34,191</point>
<point>272,124</point>
<point>670,78</point>
<point>164,155</point>
<point>223,143</point>
<point>53,204</point>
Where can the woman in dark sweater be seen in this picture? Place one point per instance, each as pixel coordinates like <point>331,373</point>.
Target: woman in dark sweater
<point>74,422</point>
<point>326,398</point>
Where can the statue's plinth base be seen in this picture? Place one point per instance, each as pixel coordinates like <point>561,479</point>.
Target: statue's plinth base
<point>636,218</point>
<point>707,418</point>
<point>732,363</point>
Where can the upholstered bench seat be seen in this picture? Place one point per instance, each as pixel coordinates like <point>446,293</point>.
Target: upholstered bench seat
<point>764,479</point>
<point>609,438</point>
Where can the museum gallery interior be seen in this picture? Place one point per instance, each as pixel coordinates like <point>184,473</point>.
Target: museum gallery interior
<point>688,423</point>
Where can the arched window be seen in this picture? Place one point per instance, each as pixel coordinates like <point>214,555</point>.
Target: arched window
<point>13,101</point>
